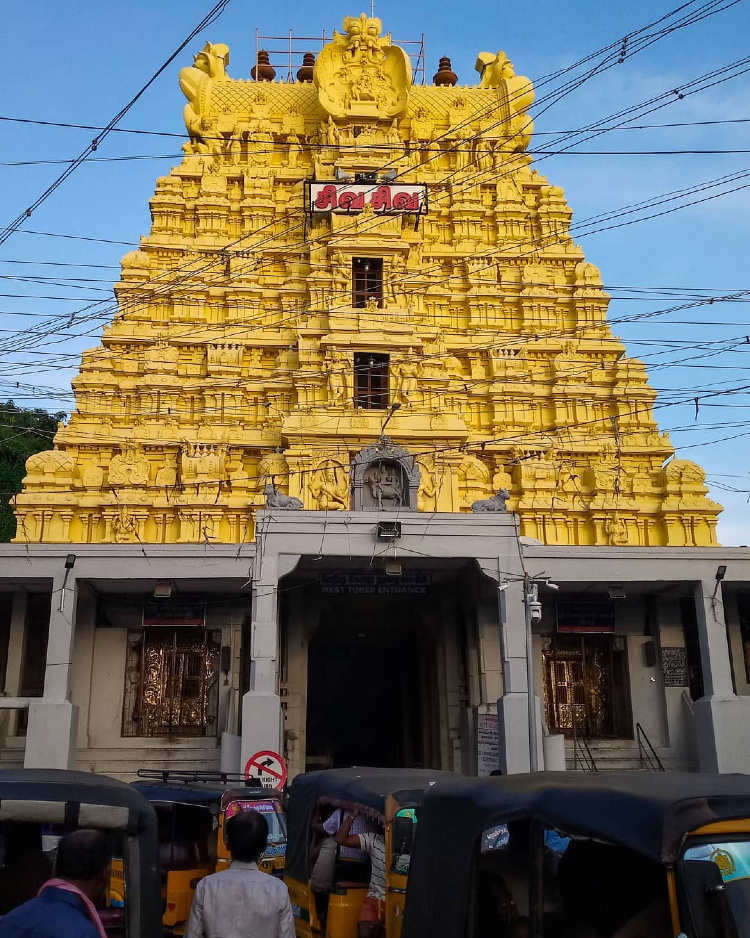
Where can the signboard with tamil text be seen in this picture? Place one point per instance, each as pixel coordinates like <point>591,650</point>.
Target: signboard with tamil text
<point>351,198</point>
<point>488,746</point>
<point>586,616</point>
<point>172,612</point>
<point>674,666</point>
<point>376,584</point>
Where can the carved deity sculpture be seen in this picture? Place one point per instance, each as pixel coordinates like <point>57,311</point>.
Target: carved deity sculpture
<point>617,531</point>
<point>337,371</point>
<point>125,526</point>
<point>384,482</point>
<point>329,486</point>
<point>407,373</point>
<point>361,74</point>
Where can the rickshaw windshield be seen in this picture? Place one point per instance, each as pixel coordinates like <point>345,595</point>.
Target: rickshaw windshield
<point>732,859</point>
<point>271,811</point>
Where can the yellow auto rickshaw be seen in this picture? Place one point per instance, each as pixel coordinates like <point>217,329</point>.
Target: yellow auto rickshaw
<point>388,798</point>
<point>192,809</point>
<point>664,854</point>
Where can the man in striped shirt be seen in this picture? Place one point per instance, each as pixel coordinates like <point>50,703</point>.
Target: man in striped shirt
<point>372,910</point>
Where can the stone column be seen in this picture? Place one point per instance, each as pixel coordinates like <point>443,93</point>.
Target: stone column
<point>261,705</point>
<point>15,657</point>
<point>53,719</point>
<point>512,707</point>
<point>722,720</point>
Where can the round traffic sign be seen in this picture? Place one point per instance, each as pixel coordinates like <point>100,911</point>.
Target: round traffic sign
<point>267,768</point>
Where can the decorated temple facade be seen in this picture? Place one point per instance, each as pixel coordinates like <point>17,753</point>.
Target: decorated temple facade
<point>336,252</point>
<point>359,396</point>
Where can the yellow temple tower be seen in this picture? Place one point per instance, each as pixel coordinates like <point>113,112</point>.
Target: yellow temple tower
<point>342,256</point>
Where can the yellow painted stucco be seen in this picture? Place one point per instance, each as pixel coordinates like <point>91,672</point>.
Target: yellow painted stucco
<point>229,365</point>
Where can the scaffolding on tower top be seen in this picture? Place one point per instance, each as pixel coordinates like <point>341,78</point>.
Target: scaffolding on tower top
<point>287,52</point>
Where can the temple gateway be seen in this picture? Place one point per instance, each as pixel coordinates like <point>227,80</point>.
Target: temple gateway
<point>359,401</point>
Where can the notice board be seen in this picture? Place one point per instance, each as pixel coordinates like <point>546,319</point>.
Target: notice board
<point>488,747</point>
<point>674,667</point>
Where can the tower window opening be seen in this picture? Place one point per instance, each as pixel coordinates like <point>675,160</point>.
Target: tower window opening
<point>367,281</point>
<point>371,380</point>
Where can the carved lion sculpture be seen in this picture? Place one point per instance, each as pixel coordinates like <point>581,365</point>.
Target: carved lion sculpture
<point>496,503</point>
<point>275,499</point>
<point>210,65</point>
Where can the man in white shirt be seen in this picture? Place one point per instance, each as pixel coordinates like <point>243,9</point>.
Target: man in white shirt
<point>241,900</point>
<point>372,911</point>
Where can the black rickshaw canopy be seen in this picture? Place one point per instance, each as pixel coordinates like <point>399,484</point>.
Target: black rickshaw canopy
<point>82,799</point>
<point>645,812</point>
<point>366,787</point>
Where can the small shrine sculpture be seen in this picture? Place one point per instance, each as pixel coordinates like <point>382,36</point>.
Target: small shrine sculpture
<point>276,499</point>
<point>385,477</point>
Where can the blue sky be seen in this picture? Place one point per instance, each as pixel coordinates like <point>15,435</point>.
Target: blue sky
<point>79,63</point>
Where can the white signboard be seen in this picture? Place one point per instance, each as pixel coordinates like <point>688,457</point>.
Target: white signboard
<point>488,747</point>
<point>349,199</point>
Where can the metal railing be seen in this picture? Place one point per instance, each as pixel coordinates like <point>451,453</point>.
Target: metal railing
<point>581,750</point>
<point>650,760</point>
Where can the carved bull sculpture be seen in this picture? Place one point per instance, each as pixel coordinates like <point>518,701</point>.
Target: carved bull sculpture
<point>496,503</point>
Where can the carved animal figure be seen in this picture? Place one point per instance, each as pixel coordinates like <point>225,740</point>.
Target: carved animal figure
<point>496,503</point>
<point>275,499</point>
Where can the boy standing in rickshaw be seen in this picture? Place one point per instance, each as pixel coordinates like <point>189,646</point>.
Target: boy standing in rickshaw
<point>372,910</point>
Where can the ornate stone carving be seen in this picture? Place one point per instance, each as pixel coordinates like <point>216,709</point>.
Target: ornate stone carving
<point>385,476</point>
<point>274,469</point>
<point>360,74</point>
<point>130,467</point>
<point>202,463</point>
<point>329,485</point>
<point>275,499</point>
<point>125,526</point>
<point>496,503</point>
<point>209,65</point>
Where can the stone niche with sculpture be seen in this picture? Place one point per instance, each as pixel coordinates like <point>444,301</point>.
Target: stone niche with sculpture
<point>385,477</point>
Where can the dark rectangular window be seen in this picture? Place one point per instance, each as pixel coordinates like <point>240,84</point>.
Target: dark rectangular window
<point>371,380</point>
<point>367,281</point>
<point>692,647</point>
<point>34,657</point>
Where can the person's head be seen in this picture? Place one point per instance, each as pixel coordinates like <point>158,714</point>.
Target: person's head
<point>83,858</point>
<point>247,836</point>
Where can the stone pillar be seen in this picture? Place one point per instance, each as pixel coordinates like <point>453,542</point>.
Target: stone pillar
<point>722,720</point>
<point>53,719</point>
<point>15,657</point>
<point>512,707</point>
<point>261,705</point>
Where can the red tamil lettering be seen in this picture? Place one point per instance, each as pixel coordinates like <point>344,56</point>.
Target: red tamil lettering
<point>381,199</point>
<point>351,200</point>
<point>326,198</point>
<point>406,201</point>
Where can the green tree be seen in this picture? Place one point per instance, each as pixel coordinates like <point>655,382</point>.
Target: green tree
<point>23,432</point>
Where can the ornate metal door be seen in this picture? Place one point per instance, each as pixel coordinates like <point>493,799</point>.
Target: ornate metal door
<point>565,690</point>
<point>176,686</point>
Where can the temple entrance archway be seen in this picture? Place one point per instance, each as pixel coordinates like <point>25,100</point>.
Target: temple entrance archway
<point>371,687</point>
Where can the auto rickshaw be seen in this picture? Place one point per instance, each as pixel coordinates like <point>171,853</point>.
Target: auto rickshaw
<point>387,797</point>
<point>665,855</point>
<point>38,806</point>
<point>192,809</point>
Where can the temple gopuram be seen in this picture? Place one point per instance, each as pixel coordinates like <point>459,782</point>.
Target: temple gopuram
<point>359,474</point>
<point>338,251</point>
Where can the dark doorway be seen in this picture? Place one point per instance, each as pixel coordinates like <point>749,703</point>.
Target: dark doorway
<point>586,686</point>
<point>372,689</point>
